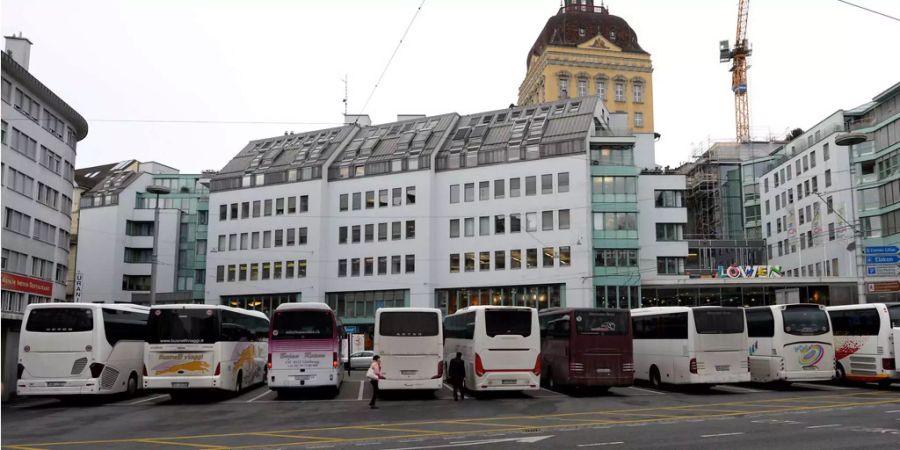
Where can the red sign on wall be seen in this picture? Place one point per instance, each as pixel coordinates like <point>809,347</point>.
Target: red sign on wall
<point>27,284</point>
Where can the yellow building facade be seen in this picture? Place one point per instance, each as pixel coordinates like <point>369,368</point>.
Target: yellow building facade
<point>583,50</point>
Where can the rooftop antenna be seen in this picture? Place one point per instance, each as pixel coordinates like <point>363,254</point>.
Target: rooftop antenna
<point>346,77</point>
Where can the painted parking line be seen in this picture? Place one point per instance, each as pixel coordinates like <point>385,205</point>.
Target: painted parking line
<point>824,387</point>
<point>892,411</point>
<point>738,389</point>
<point>144,400</point>
<point>260,396</point>
<point>830,425</point>
<point>646,390</point>
<point>362,386</point>
<point>601,444</point>
<point>552,393</point>
<point>721,434</point>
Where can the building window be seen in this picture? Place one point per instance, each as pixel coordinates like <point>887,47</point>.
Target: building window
<point>267,239</point>
<point>344,198</point>
<point>669,199</point>
<point>582,87</point>
<point>484,261</point>
<point>601,87</point>
<point>397,196</point>
<point>454,193</point>
<point>454,263</point>
<point>530,186</point>
<point>637,90</point>
<point>620,90</point>
<point>531,222</point>
<point>670,265</point>
<point>342,267</point>
<point>563,219</point>
<point>382,232</point>
<point>410,229</point>
<point>469,224</point>
<point>304,203</point>
<point>410,263</point>
<point>454,228</point>
<point>515,259</point>
<point>484,226</point>
<point>531,258</point>
<point>828,178</point>
<point>370,199</point>
<point>368,266</point>
<point>469,262</point>
<point>515,223</point>
<point>547,221</point>
<point>470,192</point>
<point>357,201</point>
<point>826,153</point>
<point>395,231</point>
<point>410,195</point>
<point>563,87</point>
<point>354,267</point>
<point>565,256</point>
<point>514,187</point>
<point>484,190</point>
<point>669,232</point>
<point>342,235</point>
<point>499,260</point>
<point>547,183</point>
<point>615,257</point>
<point>548,257</point>
<point>499,188</point>
<point>638,119</point>
<point>499,224</point>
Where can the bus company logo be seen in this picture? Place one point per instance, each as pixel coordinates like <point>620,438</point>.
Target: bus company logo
<point>243,357</point>
<point>179,365</point>
<point>810,354</point>
<point>754,347</point>
<point>735,271</point>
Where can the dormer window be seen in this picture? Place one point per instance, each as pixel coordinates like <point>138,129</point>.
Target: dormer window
<point>612,35</point>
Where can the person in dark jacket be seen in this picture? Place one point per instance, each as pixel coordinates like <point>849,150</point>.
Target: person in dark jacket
<point>457,374</point>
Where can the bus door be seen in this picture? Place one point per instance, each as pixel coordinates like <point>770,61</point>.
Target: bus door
<point>59,343</point>
<point>182,342</point>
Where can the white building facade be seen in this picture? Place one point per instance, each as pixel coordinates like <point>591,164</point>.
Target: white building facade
<point>445,211</point>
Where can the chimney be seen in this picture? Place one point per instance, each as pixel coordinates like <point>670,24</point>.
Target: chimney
<point>362,120</point>
<point>19,48</point>
<point>405,117</point>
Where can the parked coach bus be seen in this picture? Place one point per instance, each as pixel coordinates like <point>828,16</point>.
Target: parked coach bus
<point>790,343</point>
<point>681,345</point>
<point>866,338</point>
<point>304,347</point>
<point>191,347</point>
<point>500,346</point>
<point>68,349</point>
<point>586,347</point>
<point>410,343</point>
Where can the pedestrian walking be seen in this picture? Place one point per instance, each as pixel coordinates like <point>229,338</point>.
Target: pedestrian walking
<point>374,374</point>
<point>457,374</point>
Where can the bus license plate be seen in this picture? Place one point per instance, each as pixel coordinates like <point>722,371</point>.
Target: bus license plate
<point>302,377</point>
<point>723,368</point>
<point>56,383</point>
<point>409,372</point>
<point>180,385</point>
<point>508,382</point>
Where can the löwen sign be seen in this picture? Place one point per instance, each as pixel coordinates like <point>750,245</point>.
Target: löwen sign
<point>749,272</point>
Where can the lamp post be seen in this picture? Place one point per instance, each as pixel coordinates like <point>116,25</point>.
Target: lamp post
<point>155,189</point>
<point>848,140</point>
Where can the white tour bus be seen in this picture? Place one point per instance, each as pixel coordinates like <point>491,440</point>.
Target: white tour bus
<point>681,345</point>
<point>70,349</point>
<point>192,347</point>
<point>304,347</point>
<point>866,341</point>
<point>790,343</point>
<point>410,343</point>
<point>500,345</point>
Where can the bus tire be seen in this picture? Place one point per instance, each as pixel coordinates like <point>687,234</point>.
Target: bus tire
<point>884,384</point>
<point>840,374</point>
<point>239,382</point>
<point>655,378</point>
<point>131,387</point>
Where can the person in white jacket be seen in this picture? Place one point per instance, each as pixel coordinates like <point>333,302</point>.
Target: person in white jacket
<point>374,374</point>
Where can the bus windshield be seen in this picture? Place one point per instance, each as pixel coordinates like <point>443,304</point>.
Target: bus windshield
<point>719,321</point>
<point>507,322</point>
<point>302,325</point>
<point>401,323</point>
<point>603,323</point>
<point>189,326</point>
<point>60,320</point>
<point>894,312</point>
<point>805,321</point>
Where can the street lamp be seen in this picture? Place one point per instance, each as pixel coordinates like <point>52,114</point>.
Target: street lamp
<point>155,189</point>
<point>848,140</point>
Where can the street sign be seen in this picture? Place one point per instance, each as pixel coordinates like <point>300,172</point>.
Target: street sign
<point>882,271</point>
<point>884,286</point>
<point>351,329</point>
<point>883,259</point>
<point>882,250</point>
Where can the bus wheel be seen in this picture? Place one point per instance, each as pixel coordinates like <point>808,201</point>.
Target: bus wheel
<point>239,383</point>
<point>655,379</point>
<point>884,384</point>
<point>132,386</point>
<point>840,374</point>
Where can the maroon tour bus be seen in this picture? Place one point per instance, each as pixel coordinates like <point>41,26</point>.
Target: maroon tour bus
<point>586,347</point>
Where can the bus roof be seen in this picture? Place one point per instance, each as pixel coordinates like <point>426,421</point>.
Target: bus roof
<point>116,306</point>
<point>485,307</point>
<point>303,305</point>
<point>861,306</point>
<point>565,310</point>
<point>673,309</point>
<point>407,309</point>
<point>248,312</point>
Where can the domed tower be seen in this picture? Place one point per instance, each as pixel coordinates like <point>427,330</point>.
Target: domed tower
<point>584,50</point>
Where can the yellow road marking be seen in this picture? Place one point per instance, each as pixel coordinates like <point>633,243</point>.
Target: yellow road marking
<point>22,447</point>
<point>185,444</point>
<point>510,427</point>
<point>292,436</point>
<point>402,430</point>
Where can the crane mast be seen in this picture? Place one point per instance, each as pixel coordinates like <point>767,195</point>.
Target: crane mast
<point>738,56</point>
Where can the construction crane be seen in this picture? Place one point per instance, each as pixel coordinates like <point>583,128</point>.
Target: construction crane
<point>738,55</point>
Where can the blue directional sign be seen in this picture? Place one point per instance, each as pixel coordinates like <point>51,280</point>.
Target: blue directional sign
<point>882,250</point>
<point>351,329</point>
<point>883,259</point>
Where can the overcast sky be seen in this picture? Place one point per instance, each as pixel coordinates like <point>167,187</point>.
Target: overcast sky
<point>156,78</point>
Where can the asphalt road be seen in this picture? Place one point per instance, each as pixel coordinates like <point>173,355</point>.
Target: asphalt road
<point>735,417</point>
